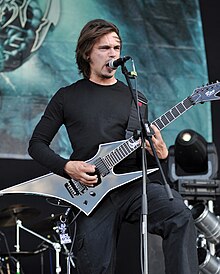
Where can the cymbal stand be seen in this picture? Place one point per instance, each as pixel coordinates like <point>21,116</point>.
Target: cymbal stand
<point>69,260</point>
<point>55,245</point>
<point>18,267</point>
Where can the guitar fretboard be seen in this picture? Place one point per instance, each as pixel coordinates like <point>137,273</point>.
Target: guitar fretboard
<point>121,152</point>
<point>168,117</point>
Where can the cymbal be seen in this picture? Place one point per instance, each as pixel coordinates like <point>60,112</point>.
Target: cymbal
<point>47,224</point>
<point>9,215</point>
<point>23,253</point>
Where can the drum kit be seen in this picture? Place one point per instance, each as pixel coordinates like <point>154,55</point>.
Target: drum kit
<point>13,216</point>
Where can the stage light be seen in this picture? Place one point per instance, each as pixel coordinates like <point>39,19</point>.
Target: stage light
<point>193,165</point>
<point>191,153</point>
<point>191,156</point>
<point>206,222</point>
<point>208,264</point>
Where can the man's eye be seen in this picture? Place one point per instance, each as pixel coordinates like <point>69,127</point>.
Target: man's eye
<point>104,48</point>
<point>107,48</point>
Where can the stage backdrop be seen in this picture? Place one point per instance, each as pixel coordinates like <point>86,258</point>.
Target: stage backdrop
<point>37,57</point>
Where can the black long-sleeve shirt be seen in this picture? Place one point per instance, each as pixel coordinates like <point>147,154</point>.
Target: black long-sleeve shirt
<point>92,114</point>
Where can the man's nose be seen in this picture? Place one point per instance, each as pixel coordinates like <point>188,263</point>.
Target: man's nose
<point>112,52</point>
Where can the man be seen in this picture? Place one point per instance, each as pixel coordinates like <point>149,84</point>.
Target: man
<point>96,110</point>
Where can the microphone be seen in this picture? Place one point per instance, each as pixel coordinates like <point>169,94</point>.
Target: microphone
<point>114,64</point>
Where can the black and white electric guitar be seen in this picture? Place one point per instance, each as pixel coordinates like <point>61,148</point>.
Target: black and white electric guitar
<point>107,157</point>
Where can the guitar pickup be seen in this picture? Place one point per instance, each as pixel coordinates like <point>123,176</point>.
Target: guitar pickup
<point>75,188</point>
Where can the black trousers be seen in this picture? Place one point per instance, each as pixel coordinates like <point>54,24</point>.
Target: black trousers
<point>97,235</point>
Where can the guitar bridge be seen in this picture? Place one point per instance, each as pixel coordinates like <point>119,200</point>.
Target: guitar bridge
<point>75,188</point>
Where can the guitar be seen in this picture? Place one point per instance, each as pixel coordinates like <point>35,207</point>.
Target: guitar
<point>108,156</point>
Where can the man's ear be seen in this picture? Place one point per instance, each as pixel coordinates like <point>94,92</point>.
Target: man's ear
<point>88,58</point>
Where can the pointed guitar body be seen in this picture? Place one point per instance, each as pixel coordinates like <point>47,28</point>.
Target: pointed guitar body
<point>84,198</point>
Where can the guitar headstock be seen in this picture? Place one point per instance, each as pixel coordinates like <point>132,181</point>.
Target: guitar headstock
<point>206,93</point>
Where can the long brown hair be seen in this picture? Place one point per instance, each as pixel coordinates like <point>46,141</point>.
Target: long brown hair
<point>89,35</point>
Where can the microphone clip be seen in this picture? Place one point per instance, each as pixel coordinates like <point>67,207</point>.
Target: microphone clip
<point>132,74</point>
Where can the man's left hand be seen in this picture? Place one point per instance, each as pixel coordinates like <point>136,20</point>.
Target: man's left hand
<point>159,144</point>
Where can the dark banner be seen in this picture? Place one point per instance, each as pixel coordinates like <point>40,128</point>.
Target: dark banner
<point>37,57</point>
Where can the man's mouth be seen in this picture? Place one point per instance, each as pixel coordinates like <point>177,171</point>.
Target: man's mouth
<point>109,66</point>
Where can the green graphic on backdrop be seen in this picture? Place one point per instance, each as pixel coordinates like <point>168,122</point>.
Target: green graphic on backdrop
<point>37,57</point>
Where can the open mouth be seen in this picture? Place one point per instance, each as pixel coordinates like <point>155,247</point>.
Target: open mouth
<point>109,65</point>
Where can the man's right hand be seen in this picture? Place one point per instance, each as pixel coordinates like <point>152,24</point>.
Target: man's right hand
<point>82,171</point>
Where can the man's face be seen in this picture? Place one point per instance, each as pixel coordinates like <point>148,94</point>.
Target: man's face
<point>108,47</point>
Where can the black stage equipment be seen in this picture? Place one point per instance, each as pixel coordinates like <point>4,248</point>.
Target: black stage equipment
<point>193,166</point>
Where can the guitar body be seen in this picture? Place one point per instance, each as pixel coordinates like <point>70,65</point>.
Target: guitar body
<point>52,185</point>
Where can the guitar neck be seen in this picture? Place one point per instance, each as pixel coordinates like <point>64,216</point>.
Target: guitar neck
<point>130,145</point>
<point>121,152</point>
<point>172,114</point>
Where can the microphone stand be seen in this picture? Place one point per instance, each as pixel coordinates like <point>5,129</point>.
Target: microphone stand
<point>145,132</point>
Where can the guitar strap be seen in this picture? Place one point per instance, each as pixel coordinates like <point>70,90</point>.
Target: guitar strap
<point>133,121</point>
